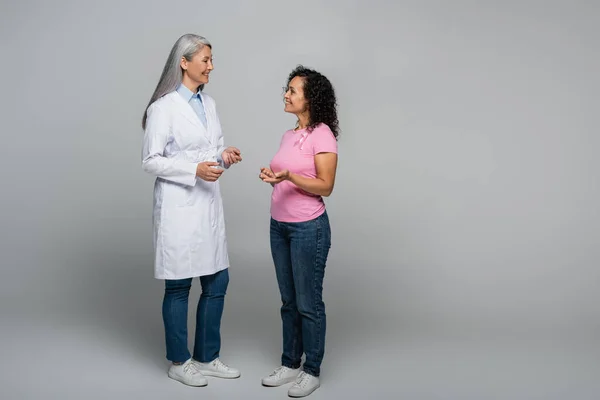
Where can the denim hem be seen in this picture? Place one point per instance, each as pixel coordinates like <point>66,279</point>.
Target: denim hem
<point>204,362</point>
<point>291,365</point>
<point>179,361</point>
<point>311,372</point>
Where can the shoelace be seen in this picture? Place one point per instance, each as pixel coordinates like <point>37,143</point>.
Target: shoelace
<point>302,379</point>
<point>278,372</point>
<point>191,368</point>
<point>220,365</point>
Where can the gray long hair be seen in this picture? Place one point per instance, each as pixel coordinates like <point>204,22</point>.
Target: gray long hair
<point>186,46</point>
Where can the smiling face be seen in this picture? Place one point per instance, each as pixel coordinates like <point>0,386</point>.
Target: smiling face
<point>295,102</point>
<point>196,70</point>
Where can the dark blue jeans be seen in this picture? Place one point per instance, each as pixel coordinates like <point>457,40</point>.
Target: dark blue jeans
<point>208,317</point>
<point>299,251</point>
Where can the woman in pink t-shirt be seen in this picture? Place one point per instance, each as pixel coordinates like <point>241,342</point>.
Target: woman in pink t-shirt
<point>301,173</point>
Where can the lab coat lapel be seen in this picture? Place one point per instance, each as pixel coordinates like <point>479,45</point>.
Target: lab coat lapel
<point>188,112</point>
<point>210,133</point>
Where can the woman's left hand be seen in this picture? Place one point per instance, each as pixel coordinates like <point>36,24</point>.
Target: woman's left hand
<point>231,155</point>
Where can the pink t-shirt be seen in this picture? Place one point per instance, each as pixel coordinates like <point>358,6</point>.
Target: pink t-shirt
<point>297,153</point>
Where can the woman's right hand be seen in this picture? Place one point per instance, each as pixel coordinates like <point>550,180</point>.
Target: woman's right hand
<point>266,173</point>
<point>205,171</point>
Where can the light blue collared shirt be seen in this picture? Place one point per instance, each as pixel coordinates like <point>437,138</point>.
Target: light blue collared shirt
<point>194,100</point>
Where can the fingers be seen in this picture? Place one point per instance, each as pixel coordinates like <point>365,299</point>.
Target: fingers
<point>212,174</point>
<point>267,172</point>
<point>235,158</point>
<point>232,155</point>
<point>269,178</point>
<point>209,171</point>
<point>266,175</point>
<point>282,174</point>
<point>212,177</point>
<point>216,172</point>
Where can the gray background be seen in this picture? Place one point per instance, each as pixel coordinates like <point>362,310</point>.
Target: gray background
<point>465,215</point>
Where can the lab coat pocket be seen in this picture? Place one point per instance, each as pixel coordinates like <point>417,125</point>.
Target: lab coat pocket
<point>212,213</point>
<point>176,236</point>
<point>180,195</point>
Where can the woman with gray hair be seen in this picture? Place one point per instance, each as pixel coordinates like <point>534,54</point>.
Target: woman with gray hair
<point>184,149</point>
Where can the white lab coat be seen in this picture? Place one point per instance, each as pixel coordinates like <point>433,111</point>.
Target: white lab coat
<point>189,225</point>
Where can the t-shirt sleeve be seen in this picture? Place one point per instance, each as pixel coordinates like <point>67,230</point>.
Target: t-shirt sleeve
<point>323,140</point>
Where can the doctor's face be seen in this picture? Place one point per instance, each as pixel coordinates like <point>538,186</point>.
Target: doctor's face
<point>196,70</point>
<point>295,102</point>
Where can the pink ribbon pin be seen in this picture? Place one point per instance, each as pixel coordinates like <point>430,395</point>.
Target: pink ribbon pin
<point>302,139</point>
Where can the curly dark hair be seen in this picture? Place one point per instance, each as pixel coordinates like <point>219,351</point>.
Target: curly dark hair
<point>320,96</point>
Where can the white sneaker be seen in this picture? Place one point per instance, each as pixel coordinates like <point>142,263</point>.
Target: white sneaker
<point>187,373</point>
<point>280,376</point>
<point>305,385</point>
<point>217,368</point>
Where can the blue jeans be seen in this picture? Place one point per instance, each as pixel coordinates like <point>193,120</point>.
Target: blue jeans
<point>208,317</point>
<point>299,251</point>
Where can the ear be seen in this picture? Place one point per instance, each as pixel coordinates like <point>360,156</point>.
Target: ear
<point>183,64</point>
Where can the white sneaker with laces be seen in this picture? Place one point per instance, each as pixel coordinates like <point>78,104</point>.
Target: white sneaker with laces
<point>217,368</point>
<point>187,373</point>
<point>280,376</point>
<point>305,385</point>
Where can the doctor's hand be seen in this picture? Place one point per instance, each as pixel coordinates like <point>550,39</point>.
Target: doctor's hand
<point>231,155</point>
<point>205,171</point>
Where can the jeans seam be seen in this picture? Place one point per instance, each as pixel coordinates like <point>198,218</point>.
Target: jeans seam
<point>315,278</point>
<point>179,355</point>
<point>279,231</point>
